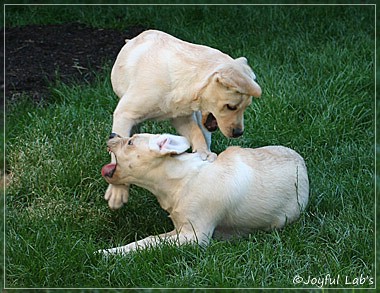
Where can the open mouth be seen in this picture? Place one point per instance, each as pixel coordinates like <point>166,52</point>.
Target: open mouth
<point>108,170</point>
<point>210,122</point>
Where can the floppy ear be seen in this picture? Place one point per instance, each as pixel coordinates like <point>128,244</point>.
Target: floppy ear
<point>166,144</point>
<point>242,60</point>
<point>238,80</point>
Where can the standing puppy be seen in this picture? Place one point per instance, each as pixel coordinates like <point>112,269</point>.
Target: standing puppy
<point>157,76</point>
<point>242,190</point>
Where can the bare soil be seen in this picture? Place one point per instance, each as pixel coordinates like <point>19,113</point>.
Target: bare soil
<point>35,56</point>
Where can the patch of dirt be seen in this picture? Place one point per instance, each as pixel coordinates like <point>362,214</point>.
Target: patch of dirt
<point>36,55</point>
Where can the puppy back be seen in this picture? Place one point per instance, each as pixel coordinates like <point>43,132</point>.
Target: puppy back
<point>276,165</point>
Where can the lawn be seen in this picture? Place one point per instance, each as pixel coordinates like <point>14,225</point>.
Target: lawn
<point>316,66</point>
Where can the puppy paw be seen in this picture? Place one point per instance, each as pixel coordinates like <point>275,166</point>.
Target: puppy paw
<point>116,195</point>
<point>122,250</point>
<point>208,156</point>
<point>103,252</point>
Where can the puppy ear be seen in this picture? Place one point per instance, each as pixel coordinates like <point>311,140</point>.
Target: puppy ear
<point>168,144</point>
<point>238,79</point>
<point>242,60</point>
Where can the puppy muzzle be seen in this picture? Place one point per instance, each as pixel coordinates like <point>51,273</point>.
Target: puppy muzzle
<point>109,169</point>
<point>236,132</point>
<point>211,123</point>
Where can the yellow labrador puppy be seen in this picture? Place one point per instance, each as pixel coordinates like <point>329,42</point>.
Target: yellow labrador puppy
<point>157,76</point>
<point>241,191</point>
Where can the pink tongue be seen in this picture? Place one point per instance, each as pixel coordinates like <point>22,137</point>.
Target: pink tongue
<point>108,170</point>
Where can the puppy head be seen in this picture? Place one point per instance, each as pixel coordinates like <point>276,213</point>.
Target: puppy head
<point>228,93</point>
<point>139,154</point>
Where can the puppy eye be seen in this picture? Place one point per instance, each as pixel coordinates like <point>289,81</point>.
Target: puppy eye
<point>130,142</point>
<point>231,108</point>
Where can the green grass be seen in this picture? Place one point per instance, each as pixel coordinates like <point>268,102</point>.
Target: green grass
<point>316,67</point>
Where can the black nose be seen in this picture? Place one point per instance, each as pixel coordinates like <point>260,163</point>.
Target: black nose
<point>236,132</point>
<point>113,135</point>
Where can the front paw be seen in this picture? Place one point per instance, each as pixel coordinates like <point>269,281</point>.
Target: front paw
<point>117,195</point>
<point>207,156</point>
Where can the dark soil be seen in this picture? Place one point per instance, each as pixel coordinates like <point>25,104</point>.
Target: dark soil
<point>35,56</point>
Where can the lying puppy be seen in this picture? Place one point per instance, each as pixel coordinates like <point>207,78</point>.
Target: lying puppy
<point>243,190</point>
<point>157,76</point>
